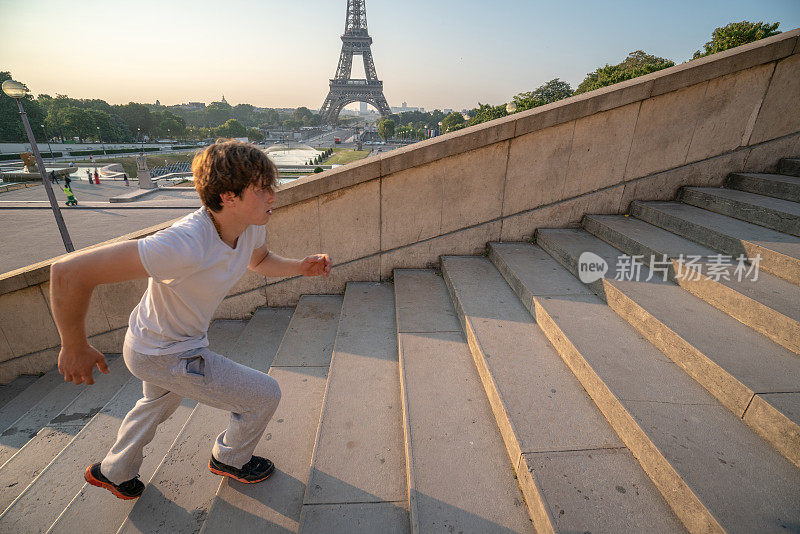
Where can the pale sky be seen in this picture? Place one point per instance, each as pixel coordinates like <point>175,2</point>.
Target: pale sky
<point>434,54</point>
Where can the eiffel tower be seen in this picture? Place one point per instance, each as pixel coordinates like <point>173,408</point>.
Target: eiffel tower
<point>345,90</point>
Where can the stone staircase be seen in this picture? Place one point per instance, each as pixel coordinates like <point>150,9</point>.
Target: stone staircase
<point>501,394</point>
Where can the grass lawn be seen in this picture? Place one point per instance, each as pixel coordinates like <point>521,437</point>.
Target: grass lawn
<point>346,156</point>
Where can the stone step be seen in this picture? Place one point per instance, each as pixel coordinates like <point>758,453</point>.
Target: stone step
<point>107,511</point>
<point>24,401</point>
<point>779,253</point>
<point>357,478</point>
<point>778,214</point>
<point>58,396</point>
<point>789,166</point>
<point>179,494</point>
<point>451,433</point>
<point>10,391</point>
<point>50,435</point>
<point>705,461</point>
<point>769,305</point>
<point>679,324</point>
<point>575,472</point>
<point>772,185</point>
<point>301,369</point>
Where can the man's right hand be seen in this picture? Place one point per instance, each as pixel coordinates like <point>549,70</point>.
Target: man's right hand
<point>77,365</point>
<point>72,280</point>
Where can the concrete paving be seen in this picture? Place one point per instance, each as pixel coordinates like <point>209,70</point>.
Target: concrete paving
<point>789,166</point>
<point>56,404</point>
<point>523,370</point>
<point>28,398</point>
<point>780,253</point>
<point>778,214</point>
<point>107,511</point>
<point>712,347</point>
<point>301,369</point>
<point>28,231</point>
<point>449,424</point>
<point>769,305</point>
<point>180,493</point>
<point>697,452</point>
<point>773,185</point>
<point>31,490</point>
<point>359,454</point>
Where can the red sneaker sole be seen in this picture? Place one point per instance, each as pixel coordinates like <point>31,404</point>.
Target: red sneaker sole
<point>224,474</point>
<point>94,482</point>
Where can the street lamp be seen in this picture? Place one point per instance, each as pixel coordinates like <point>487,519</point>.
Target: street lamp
<point>16,91</point>
<point>50,148</point>
<point>511,107</point>
<point>139,131</point>
<point>101,140</point>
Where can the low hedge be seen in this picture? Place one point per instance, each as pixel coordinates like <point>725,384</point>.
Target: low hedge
<point>45,155</point>
<point>113,151</point>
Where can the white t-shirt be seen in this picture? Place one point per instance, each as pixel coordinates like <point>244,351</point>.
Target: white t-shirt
<point>191,271</point>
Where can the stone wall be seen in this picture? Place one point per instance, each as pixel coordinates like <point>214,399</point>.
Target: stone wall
<point>645,138</point>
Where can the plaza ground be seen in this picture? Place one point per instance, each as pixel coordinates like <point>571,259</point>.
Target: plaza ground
<point>28,231</point>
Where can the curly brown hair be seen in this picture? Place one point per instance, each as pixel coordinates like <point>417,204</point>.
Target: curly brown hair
<point>231,166</point>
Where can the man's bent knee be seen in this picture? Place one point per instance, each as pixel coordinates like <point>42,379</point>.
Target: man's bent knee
<point>267,396</point>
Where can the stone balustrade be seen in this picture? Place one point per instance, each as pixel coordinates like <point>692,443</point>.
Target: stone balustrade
<point>546,167</point>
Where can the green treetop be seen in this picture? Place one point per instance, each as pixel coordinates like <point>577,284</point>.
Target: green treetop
<point>386,128</point>
<point>637,64</point>
<point>736,34</point>
<point>551,91</point>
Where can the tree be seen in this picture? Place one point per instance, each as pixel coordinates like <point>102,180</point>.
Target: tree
<point>11,128</point>
<point>386,128</point>
<point>138,118</point>
<point>77,122</point>
<point>454,121</point>
<point>637,64</point>
<point>170,128</point>
<point>254,134</point>
<point>552,91</point>
<point>486,112</point>
<point>231,128</point>
<point>736,34</point>
<point>214,114</point>
<point>109,129</point>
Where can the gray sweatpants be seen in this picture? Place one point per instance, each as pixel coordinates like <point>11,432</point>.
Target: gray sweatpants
<point>202,375</point>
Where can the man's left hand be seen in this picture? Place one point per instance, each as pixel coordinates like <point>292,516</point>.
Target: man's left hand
<point>316,265</point>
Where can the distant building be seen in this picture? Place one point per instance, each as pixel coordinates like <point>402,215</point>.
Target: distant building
<point>223,100</point>
<point>192,105</point>
<point>405,107</point>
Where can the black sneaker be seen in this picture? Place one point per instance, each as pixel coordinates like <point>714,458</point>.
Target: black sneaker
<point>127,490</point>
<point>256,470</point>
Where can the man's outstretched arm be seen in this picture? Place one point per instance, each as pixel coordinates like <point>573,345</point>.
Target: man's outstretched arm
<point>72,280</point>
<point>269,264</point>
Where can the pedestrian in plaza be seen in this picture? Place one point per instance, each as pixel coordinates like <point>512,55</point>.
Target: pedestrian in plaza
<point>67,181</point>
<point>96,176</point>
<point>89,175</point>
<point>70,197</point>
<point>53,177</point>
<point>125,177</point>
<point>191,266</point>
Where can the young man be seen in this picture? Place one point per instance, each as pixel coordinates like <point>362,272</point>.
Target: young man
<point>191,266</point>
